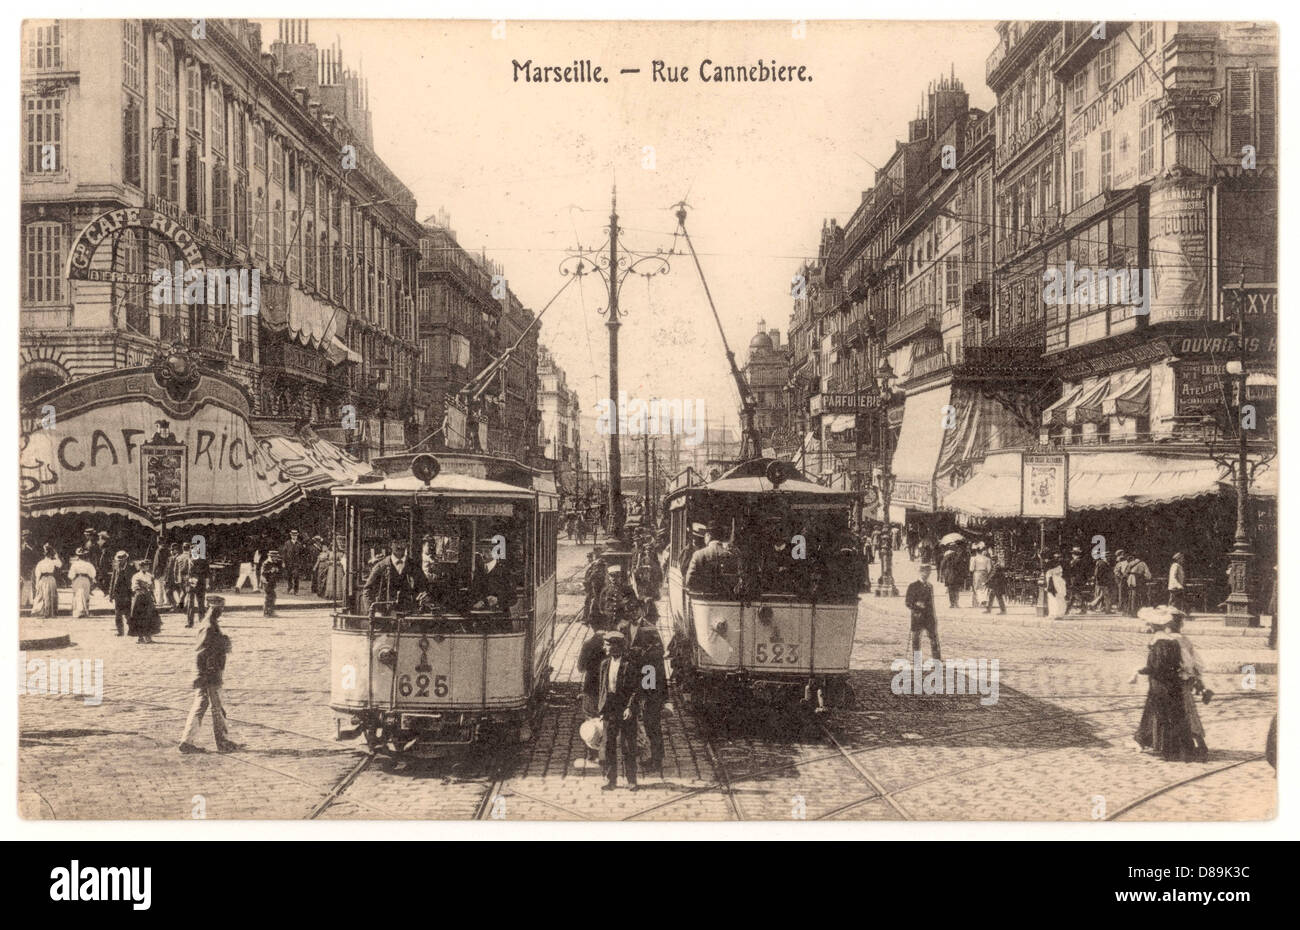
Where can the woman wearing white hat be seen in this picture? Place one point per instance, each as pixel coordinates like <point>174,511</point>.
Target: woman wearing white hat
<point>82,575</point>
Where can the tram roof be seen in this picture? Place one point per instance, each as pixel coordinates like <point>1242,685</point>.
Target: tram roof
<point>446,484</point>
<point>751,478</point>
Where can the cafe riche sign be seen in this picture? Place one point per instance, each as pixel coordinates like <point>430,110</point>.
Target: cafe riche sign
<point>82,253</point>
<point>166,443</point>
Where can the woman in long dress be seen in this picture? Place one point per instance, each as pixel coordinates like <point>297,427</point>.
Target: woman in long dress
<point>45,594</point>
<point>981,566</point>
<point>82,575</point>
<point>1189,674</point>
<point>1056,590</point>
<point>144,620</point>
<point>1165,726</point>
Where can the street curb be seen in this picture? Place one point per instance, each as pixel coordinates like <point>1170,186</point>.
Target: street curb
<point>228,609</point>
<point>1136,626</point>
<point>46,642</point>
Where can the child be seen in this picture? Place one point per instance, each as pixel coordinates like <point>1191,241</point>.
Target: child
<point>272,568</point>
<point>211,648</point>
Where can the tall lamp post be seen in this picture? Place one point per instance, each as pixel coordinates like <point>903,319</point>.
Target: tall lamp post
<point>885,586</point>
<point>381,386</point>
<point>1241,611</point>
<point>614,268</point>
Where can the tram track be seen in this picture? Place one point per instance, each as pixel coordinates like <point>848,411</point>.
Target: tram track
<point>728,782</point>
<point>1178,783</point>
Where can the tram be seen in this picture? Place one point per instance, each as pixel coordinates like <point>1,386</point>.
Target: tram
<point>469,659</point>
<point>779,624</point>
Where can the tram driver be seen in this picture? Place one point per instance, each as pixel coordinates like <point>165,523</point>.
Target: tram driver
<point>398,581</point>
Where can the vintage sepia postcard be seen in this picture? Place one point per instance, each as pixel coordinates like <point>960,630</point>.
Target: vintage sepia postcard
<point>523,420</point>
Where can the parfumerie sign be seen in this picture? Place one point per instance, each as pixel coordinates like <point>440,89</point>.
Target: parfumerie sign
<point>842,403</point>
<point>115,221</point>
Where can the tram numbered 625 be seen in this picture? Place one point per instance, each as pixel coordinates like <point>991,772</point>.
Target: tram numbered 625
<point>469,660</point>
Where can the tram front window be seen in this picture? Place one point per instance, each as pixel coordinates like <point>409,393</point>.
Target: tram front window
<point>470,557</point>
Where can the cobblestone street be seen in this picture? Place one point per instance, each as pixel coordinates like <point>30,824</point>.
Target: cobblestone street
<point>1055,746</point>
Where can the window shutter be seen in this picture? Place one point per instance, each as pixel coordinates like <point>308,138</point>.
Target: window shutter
<point>1239,110</point>
<point>1266,110</point>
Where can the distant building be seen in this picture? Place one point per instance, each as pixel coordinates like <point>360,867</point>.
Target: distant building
<point>560,427</point>
<point>766,369</point>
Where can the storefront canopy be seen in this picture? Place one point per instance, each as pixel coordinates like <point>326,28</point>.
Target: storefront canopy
<point>993,491</point>
<point>1097,481</point>
<point>169,445</point>
<point>919,443</point>
<point>1111,480</point>
<point>1130,397</point>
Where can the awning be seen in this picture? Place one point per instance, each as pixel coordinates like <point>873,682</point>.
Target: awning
<point>1056,412</point>
<point>918,448</point>
<point>993,491</point>
<point>1130,398</point>
<point>339,352</point>
<point>305,458</point>
<point>306,319</point>
<point>1088,404</point>
<point>161,452</point>
<point>841,422</point>
<point>1111,480</point>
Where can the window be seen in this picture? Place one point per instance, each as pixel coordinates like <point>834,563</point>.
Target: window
<point>241,209</point>
<point>132,154</point>
<point>259,146</point>
<point>194,180</point>
<point>1076,178</point>
<point>277,161</point>
<point>1146,36</point>
<point>1078,89</point>
<point>309,238</point>
<point>259,224</point>
<point>293,172</point>
<point>1105,159</point>
<point>194,101</point>
<point>1252,111</point>
<point>241,140</point>
<point>217,104</point>
<point>277,235</point>
<point>43,124</point>
<point>1105,64</point>
<point>131,54</point>
<point>43,263</point>
<point>952,284</point>
<point>44,46</point>
<point>1147,139</point>
<point>164,80</point>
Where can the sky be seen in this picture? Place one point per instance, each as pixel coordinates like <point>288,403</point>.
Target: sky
<point>525,170</point>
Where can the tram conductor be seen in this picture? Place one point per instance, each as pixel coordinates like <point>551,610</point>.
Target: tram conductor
<point>712,569</point>
<point>396,579</point>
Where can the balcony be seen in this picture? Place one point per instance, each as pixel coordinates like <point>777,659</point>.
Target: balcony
<point>1020,138</point>
<point>908,326</point>
<point>295,359</point>
<point>858,285</point>
<point>928,365</point>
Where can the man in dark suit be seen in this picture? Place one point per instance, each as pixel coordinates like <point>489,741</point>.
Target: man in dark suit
<point>494,584</point>
<point>646,653</point>
<point>712,569</point>
<point>920,601</point>
<point>616,702</point>
<point>593,584</point>
<point>952,572</point>
<point>292,552</point>
<point>398,579</point>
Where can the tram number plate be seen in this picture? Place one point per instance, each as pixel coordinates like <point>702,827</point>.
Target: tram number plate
<point>422,686</point>
<point>776,653</point>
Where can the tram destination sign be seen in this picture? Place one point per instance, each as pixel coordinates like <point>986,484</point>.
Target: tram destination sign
<point>482,509</point>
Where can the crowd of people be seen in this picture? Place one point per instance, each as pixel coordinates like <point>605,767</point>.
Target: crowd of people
<point>625,684</point>
<point>172,575</point>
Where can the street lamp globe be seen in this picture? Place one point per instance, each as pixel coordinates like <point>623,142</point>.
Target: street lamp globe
<point>885,377</point>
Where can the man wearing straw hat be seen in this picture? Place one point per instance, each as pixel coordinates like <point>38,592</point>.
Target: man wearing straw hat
<point>616,703</point>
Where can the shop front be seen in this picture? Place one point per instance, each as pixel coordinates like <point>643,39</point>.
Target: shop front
<point>168,446</point>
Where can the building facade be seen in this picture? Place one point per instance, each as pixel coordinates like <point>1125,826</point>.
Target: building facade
<point>766,370</point>
<point>1073,278</point>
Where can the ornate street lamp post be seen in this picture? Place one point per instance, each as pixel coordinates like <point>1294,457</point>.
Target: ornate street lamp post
<point>614,268</point>
<point>885,586</point>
